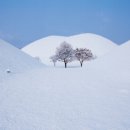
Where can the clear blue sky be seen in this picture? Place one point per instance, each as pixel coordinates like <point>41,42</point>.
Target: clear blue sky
<point>23,21</point>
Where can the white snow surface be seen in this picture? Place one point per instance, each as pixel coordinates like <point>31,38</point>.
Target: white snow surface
<point>44,48</point>
<point>14,60</point>
<point>95,97</point>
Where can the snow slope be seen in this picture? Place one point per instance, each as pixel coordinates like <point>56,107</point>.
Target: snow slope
<point>118,59</point>
<point>95,97</point>
<point>14,60</point>
<point>44,48</point>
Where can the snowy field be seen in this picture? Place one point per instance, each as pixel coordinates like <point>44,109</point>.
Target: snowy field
<point>95,97</point>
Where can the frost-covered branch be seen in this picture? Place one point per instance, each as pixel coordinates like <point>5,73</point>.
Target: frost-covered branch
<point>83,54</point>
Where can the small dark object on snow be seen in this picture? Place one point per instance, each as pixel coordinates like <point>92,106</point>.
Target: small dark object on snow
<point>8,71</point>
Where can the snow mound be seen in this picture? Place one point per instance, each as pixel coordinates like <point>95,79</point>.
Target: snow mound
<point>118,59</point>
<point>44,48</point>
<point>13,60</point>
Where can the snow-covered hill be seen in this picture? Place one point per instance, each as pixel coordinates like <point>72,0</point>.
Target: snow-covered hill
<point>95,97</point>
<point>14,60</point>
<point>44,48</point>
<point>117,59</point>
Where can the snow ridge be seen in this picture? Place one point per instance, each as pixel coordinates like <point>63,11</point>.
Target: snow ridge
<point>45,47</point>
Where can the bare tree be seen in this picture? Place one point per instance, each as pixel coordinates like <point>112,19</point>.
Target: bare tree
<point>83,54</point>
<point>65,53</point>
<point>54,59</point>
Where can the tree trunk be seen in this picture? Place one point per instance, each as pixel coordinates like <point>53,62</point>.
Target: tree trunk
<point>65,65</point>
<point>81,63</point>
<point>54,64</point>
